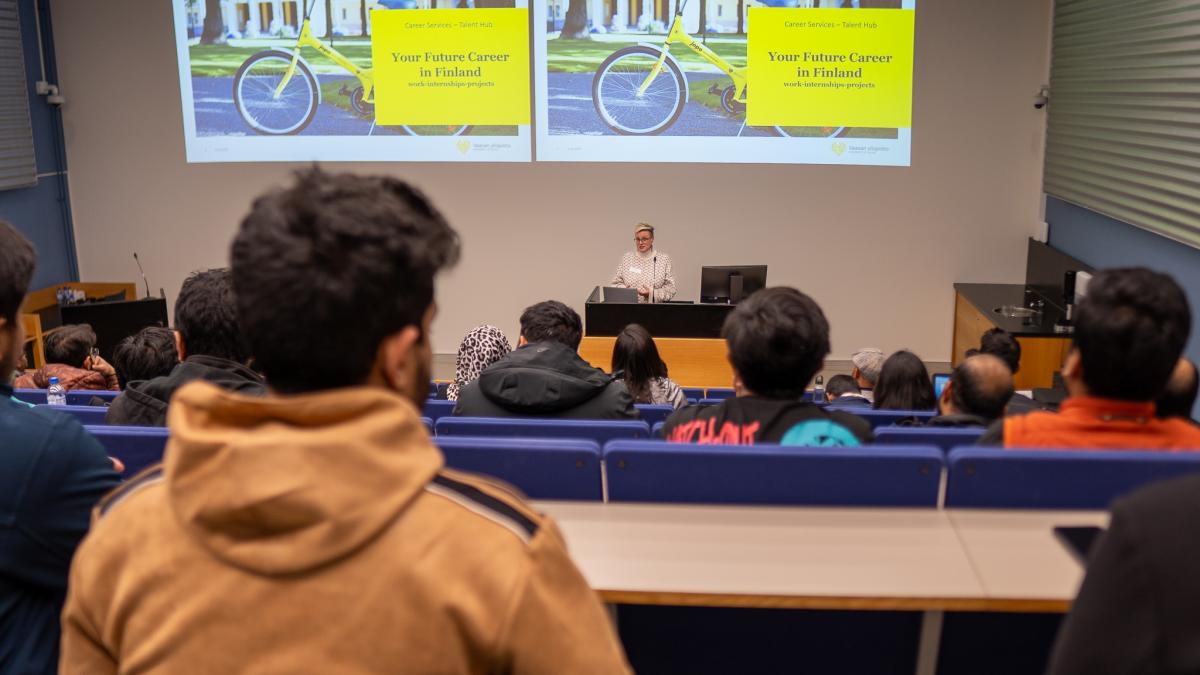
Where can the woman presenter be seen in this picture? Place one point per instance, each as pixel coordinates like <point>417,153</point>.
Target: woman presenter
<point>646,269</point>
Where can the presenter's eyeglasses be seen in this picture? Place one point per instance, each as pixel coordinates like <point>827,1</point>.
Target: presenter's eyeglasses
<point>643,238</point>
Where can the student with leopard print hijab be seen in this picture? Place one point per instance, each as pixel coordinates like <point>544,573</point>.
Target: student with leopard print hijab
<point>481,347</point>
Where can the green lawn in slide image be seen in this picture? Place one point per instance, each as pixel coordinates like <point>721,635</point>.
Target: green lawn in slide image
<point>698,91</point>
<point>585,56</point>
<point>224,60</point>
<point>331,93</point>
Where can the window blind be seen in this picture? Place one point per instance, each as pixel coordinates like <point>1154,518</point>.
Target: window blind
<point>1123,134</point>
<point>18,167</point>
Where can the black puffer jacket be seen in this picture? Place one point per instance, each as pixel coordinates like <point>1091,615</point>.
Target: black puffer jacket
<point>545,379</point>
<point>144,402</point>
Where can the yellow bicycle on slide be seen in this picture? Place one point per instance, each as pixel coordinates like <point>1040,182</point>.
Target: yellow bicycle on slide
<point>641,90</point>
<point>276,92</point>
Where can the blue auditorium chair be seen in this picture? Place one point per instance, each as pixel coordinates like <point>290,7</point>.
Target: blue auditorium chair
<point>428,424</point>
<point>656,471</point>
<point>86,414</point>
<point>943,437</point>
<point>436,409</point>
<point>719,393</point>
<point>136,447</point>
<point>709,401</point>
<point>526,427</point>
<point>693,394</point>
<point>34,396</point>
<point>542,468</point>
<point>1055,479</point>
<point>653,414</point>
<point>85,396</point>
<point>656,431</point>
<point>882,418</point>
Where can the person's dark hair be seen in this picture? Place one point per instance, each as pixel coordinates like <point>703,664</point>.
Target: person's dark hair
<point>904,384</point>
<point>70,344</point>
<point>1130,329</point>
<point>328,268</point>
<point>1001,344</point>
<point>16,271</point>
<point>1179,396</point>
<point>552,321</point>
<point>635,357</point>
<point>777,338</point>
<point>981,385</point>
<point>206,317</point>
<point>842,384</point>
<point>145,355</point>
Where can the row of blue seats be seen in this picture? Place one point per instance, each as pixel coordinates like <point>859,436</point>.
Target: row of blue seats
<point>652,415</point>
<point>656,471</point>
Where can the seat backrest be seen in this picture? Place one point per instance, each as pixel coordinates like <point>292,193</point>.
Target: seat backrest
<point>526,427</point>
<point>436,409</point>
<point>656,431</point>
<point>428,424</point>
<point>86,414</point>
<point>34,396</point>
<point>883,418</point>
<point>1056,479</point>
<point>542,468</point>
<point>136,447</point>
<point>693,393</point>
<point>653,414</point>
<point>85,396</point>
<point>718,393</point>
<point>656,471</point>
<point>710,401</point>
<point>943,437</point>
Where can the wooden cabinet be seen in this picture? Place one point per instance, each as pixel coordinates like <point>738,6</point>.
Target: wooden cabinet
<point>1041,356</point>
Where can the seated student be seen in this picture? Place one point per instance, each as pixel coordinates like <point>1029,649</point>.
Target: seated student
<point>1129,332</point>
<point>778,339</point>
<point>867,362</point>
<point>210,342</point>
<point>904,384</point>
<point>1179,396</point>
<point>315,530</point>
<point>480,347</point>
<point>69,357</point>
<point>148,354</point>
<point>843,391</point>
<point>635,360</point>
<point>51,475</point>
<point>1001,344</point>
<point>1136,609</point>
<point>978,390</point>
<point>545,377</point>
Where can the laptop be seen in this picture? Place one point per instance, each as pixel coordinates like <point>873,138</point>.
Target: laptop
<point>614,295</point>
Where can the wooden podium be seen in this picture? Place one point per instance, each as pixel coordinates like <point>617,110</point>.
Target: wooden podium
<point>687,336</point>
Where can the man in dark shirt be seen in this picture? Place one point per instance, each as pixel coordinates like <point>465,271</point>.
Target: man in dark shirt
<point>978,390</point>
<point>843,391</point>
<point>778,339</point>
<point>210,344</point>
<point>51,475</point>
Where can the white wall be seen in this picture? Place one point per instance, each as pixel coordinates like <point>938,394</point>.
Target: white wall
<point>878,247</point>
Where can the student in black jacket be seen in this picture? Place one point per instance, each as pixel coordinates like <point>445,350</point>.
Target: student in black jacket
<point>1137,611</point>
<point>51,475</point>
<point>545,377</point>
<point>210,344</point>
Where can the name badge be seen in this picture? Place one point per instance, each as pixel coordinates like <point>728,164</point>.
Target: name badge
<point>635,270</point>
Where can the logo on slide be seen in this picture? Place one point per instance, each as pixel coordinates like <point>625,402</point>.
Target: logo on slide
<point>464,146</point>
<point>838,148</point>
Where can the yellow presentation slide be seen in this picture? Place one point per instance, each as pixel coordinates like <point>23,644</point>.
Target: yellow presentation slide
<point>823,67</point>
<point>446,66</point>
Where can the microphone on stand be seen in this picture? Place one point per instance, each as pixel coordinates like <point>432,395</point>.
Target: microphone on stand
<point>139,264</point>
<point>653,277</point>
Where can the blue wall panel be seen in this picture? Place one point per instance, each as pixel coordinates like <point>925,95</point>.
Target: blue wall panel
<point>42,212</point>
<point>1101,241</point>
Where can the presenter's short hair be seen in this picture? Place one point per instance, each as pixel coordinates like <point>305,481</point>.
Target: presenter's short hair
<point>777,338</point>
<point>552,321</point>
<point>16,270</point>
<point>1130,329</point>
<point>644,227</point>
<point>329,267</point>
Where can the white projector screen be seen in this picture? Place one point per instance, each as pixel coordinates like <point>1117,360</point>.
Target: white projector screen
<point>612,80</point>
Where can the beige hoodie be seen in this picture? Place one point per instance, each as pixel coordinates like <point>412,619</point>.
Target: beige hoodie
<point>320,533</point>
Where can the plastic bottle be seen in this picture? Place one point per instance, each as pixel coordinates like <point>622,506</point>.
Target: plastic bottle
<point>818,395</point>
<point>56,395</point>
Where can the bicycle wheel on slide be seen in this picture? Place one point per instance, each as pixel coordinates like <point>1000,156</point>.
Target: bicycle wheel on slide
<point>366,110</point>
<point>615,92</point>
<point>254,94</point>
<point>811,132</point>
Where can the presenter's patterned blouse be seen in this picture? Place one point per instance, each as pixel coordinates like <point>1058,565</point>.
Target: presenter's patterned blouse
<point>636,270</point>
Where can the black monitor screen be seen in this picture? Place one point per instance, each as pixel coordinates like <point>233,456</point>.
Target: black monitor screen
<point>715,281</point>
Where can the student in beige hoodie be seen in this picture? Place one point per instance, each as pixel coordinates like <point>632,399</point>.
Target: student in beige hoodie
<point>316,529</point>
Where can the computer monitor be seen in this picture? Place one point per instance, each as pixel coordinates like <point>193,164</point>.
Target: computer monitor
<point>731,283</point>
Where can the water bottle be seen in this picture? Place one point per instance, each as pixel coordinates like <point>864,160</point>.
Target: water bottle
<point>56,395</point>
<point>819,389</point>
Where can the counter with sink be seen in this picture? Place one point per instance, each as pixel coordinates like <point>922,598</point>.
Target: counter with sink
<point>981,307</point>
